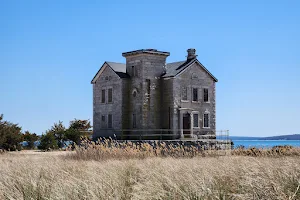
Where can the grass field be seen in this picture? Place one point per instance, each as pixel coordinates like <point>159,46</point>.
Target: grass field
<point>57,175</point>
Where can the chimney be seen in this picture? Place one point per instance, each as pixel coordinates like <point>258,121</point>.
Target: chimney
<point>191,54</point>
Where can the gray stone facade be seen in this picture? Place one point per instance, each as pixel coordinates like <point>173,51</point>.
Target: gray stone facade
<point>147,96</point>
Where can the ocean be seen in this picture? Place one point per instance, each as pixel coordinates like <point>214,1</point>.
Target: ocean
<point>265,143</point>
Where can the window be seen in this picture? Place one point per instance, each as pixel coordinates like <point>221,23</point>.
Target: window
<point>195,94</point>
<point>184,93</point>
<point>133,120</point>
<point>103,121</point>
<point>196,120</point>
<point>109,121</point>
<point>133,71</point>
<point>109,95</point>
<point>148,86</point>
<point>103,96</point>
<point>134,93</point>
<point>205,95</point>
<point>206,120</point>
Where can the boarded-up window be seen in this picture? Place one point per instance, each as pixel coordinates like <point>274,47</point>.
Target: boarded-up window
<point>133,120</point>
<point>109,95</point>
<point>109,121</point>
<point>205,95</point>
<point>103,124</point>
<point>196,120</point>
<point>195,94</point>
<point>184,93</point>
<point>103,96</point>
<point>206,120</point>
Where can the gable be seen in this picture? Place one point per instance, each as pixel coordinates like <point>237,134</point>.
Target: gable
<point>176,68</point>
<point>118,68</point>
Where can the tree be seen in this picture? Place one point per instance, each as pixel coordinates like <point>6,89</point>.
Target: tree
<point>10,135</point>
<point>58,130</point>
<point>48,141</point>
<point>77,130</point>
<point>30,138</point>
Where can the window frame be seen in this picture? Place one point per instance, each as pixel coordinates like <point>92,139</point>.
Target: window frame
<point>109,125</point>
<point>196,89</point>
<point>206,88</point>
<point>195,113</point>
<point>184,89</point>
<point>103,96</point>
<point>109,88</point>
<point>133,71</point>
<point>208,119</point>
<point>103,122</point>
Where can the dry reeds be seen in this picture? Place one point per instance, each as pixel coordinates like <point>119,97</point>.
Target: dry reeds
<point>112,149</point>
<point>47,175</point>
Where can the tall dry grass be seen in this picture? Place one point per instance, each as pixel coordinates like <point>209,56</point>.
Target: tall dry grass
<point>52,175</point>
<point>112,149</point>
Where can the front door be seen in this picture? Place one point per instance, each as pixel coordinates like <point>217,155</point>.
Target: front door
<point>186,124</point>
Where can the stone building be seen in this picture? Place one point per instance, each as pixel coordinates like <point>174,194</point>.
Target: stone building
<point>148,96</point>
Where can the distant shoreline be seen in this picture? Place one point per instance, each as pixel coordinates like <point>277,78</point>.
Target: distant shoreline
<point>281,137</point>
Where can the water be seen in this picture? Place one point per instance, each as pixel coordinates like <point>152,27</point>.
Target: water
<point>265,143</point>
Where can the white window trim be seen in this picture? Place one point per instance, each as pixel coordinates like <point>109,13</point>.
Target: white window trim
<point>112,94</point>
<point>196,112</point>
<point>187,96</point>
<point>207,94</point>
<point>192,94</point>
<point>206,112</point>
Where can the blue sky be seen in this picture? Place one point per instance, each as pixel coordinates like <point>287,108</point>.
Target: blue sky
<point>50,51</point>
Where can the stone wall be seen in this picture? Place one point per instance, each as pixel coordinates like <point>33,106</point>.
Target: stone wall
<point>108,79</point>
<point>145,80</point>
<point>195,77</point>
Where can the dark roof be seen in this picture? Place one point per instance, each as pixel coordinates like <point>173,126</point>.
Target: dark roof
<point>148,51</point>
<point>118,68</point>
<point>122,75</point>
<point>172,69</point>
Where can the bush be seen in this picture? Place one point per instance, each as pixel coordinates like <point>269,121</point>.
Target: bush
<point>48,142</point>
<point>30,138</point>
<point>10,135</point>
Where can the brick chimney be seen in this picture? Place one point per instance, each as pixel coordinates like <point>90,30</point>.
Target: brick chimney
<point>191,54</point>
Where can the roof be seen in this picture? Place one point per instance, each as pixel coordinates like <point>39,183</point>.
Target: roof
<point>118,68</point>
<point>148,51</point>
<point>173,69</point>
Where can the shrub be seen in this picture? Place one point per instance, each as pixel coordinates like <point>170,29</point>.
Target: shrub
<point>48,142</point>
<point>30,138</point>
<point>10,135</point>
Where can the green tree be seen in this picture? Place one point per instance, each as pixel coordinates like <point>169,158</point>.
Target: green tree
<point>78,129</point>
<point>48,141</point>
<point>58,130</point>
<point>30,138</point>
<point>10,135</point>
